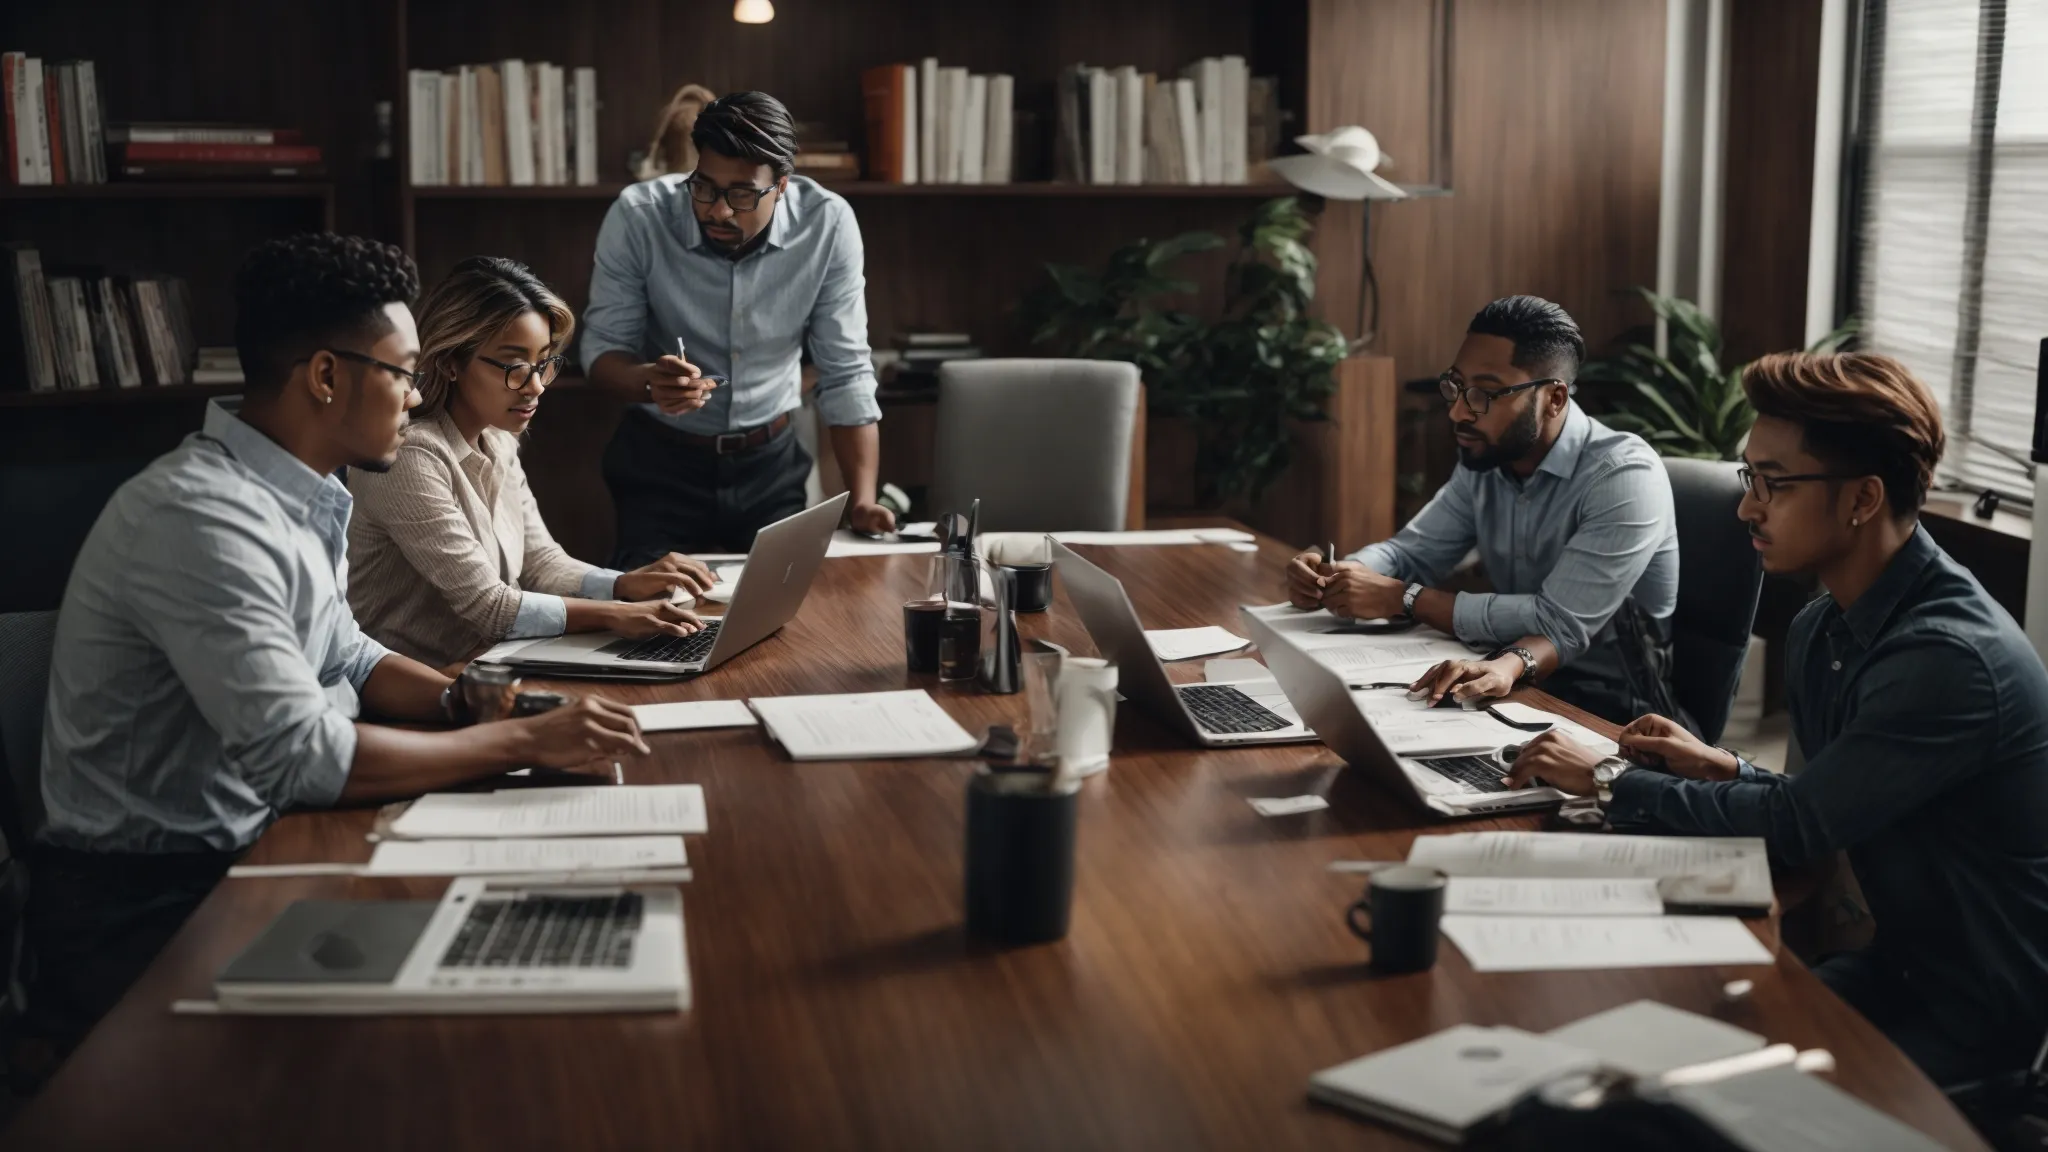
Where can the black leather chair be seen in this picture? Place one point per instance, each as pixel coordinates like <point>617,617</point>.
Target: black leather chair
<point>26,641</point>
<point>1719,578</point>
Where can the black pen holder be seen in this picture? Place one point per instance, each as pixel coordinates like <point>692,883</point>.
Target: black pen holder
<point>1020,857</point>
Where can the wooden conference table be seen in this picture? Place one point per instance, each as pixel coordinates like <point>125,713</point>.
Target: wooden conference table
<point>838,1003</point>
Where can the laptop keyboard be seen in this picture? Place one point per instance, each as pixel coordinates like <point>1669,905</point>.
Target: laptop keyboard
<point>547,932</point>
<point>1481,772</point>
<point>1222,709</point>
<point>668,649</point>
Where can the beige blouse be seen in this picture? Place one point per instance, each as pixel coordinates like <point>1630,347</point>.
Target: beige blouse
<point>448,554</point>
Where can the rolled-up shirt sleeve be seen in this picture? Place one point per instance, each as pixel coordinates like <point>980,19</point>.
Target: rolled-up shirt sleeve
<point>838,331</point>
<point>615,320</point>
<point>1430,545</point>
<point>1926,717</point>
<point>216,597</point>
<point>539,615</point>
<point>1620,523</point>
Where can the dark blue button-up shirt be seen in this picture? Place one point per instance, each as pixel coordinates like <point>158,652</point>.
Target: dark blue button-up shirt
<point>1923,712</point>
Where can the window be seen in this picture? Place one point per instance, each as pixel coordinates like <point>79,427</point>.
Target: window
<point>1953,252</point>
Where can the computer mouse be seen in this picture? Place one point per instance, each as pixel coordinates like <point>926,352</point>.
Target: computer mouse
<point>335,952</point>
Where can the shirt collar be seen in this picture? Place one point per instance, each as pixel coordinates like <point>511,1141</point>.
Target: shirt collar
<point>780,225</point>
<point>286,474</point>
<point>1563,458</point>
<point>1880,602</point>
<point>443,425</point>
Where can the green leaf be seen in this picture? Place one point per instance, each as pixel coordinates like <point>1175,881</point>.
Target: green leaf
<point>1677,422</point>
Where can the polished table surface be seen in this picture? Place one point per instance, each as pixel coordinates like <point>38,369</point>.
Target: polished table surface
<point>837,1002</point>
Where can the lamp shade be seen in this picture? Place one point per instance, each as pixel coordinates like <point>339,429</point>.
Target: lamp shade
<point>753,11</point>
<point>1339,165</point>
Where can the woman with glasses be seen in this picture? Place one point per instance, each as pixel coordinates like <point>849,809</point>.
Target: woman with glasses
<point>448,550</point>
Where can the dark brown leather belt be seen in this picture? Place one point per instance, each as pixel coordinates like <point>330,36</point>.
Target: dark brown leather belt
<point>727,443</point>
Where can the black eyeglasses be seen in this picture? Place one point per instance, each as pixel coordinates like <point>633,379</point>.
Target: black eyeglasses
<point>518,375</point>
<point>1480,399</point>
<point>411,377</point>
<point>737,199</point>
<point>1763,487</point>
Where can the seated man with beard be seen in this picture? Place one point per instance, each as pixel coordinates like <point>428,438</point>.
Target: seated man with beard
<point>1572,519</point>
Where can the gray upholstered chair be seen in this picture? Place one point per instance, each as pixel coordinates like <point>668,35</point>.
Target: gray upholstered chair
<point>1719,578</point>
<point>1045,445</point>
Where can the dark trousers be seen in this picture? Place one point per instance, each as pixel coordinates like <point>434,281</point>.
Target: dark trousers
<point>674,496</point>
<point>94,922</point>
<point>1870,986</point>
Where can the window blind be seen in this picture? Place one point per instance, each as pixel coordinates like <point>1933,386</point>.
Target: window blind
<point>1956,290</point>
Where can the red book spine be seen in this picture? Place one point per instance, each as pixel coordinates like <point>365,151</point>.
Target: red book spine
<point>134,153</point>
<point>55,125</point>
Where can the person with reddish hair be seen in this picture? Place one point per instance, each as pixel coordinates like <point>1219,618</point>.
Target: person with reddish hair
<point>1920,706</point>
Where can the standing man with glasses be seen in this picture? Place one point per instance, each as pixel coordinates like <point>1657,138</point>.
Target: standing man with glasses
<point>1572,519</point>
<point>708,289</point>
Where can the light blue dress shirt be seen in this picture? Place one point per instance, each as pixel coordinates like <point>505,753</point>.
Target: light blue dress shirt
<point>1592,526</point>
<point>207,665</point>
<point>656,278</point>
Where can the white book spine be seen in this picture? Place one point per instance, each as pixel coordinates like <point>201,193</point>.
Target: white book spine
<point>956,124</point>
<point>37,141</point>
<point>1211,85</point>
<point>95,130</point>
<point>17,97</point>
<point>558,141</point>
<point>1102,121</point>
<point>974,140</point>
<point>74,134</point>
<point>419,113</point>
<point>36,332</point>
<point>470,131</point>
<point>448,107</point>
<point>996,168</point>
<point>913,148</point>
<point>1188,119</point>
<point>1236,118</point>
<point>586,126</point>
<point>81,335</point>
<point>928,121</point>
<point>1130,129</point>
<point>518,122</point>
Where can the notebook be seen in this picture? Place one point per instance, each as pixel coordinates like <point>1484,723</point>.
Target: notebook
<point>863,726</point>
<point>1447,1085</point>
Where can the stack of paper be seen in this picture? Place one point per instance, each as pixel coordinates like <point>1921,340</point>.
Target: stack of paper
<point>846,542</point>
<point>523,856</point>
<point>1560,943</point>
<point>863,726</point>
<point>629,810</point>
<point>1724,874</point>
<point>1188,643</point>
<point>1159,536</point>
<point>1446,1085</point>
<point>693,714</point>
<point>1413,728</point>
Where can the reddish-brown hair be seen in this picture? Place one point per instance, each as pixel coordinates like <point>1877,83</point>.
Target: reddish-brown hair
<point>1862,413</point>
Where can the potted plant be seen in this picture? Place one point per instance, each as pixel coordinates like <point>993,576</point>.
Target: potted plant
<point>1240,379</point>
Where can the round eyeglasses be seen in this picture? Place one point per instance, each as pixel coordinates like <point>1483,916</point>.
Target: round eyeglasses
<point>1480,399</point>
<point>518,375</point>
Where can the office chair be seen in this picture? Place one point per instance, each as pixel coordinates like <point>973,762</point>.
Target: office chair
<point>26,641</point>
<point>1045,445</point>
<point>1719,578</point>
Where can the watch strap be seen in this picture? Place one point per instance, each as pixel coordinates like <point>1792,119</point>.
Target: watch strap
<point>1408,597</point>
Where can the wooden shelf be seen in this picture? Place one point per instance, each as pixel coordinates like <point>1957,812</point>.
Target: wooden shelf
<point>170,190</point>
<point>95,396</point>
<point>859,188</point>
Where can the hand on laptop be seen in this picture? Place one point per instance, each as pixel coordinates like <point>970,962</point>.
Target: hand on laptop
<point>1554,759</point>
<point>653,581</point>
<point>587,729</point>
<point>1467,679</point>
<point>638,620</point>
<point>1661,743</point>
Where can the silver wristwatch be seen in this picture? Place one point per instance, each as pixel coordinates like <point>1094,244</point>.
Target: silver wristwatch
<point>1408,600</point>
<point>1528,661</point>
<point>1605,773</point>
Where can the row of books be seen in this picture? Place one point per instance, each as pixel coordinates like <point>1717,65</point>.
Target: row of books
<point>1214,124</point>
<point>85,328</point>
<point>511,122</point>
<point>53,125</point>
<point>178,150</point>
<point>929,124</point>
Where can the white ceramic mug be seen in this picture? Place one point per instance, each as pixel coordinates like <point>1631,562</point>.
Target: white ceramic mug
<point>1086,693</point>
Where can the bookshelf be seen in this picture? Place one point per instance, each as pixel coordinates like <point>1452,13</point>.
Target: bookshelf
<point>223,190</point>
<point>863,189</point>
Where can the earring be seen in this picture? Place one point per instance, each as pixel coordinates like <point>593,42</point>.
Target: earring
<point>1854,521</point>
<point>328,399</point>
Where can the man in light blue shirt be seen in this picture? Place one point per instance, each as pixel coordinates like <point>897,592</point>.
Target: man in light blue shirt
<point>707,289</point>
<point>207,673</point>
<point>1572,520</point>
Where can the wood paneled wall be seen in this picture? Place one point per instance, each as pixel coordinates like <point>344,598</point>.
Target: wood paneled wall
<point>1767,205</point>
<point>1557,137</point>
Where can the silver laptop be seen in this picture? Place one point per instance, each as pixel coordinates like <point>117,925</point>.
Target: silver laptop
<point>1213,715</point>
<point>1445,785</point>
<point>778,574</point>
<point>482,948</point>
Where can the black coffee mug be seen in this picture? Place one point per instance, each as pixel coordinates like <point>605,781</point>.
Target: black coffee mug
<point>1402,908</point>
<point>1033,584</point>
<point>1020,857</point>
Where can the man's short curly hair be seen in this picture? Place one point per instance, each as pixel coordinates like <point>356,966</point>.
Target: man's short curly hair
<point>297,295</point>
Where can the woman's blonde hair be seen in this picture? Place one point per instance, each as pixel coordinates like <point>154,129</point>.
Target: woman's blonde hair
<point>479,297</point>
<point>671,149</point>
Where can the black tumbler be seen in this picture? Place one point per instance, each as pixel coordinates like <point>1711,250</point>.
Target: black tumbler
<point>1402,909</point>
<point>922,622</point>
<point>1033,585</point>
<point>1020,857</point>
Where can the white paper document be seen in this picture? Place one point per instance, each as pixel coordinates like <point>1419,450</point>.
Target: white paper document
<point>846,542</point>
<point>1235,672</point>
<point>1539,896</point>
<point>1647,1038</point>
<point>1187,643</point>
<point>1287,805</point>
<point>694,714</point>
<point>1158,536</point>
<point>631,810</point>
<point>863,726</point>
<point>1579,733</point>
<point>1544,944</point>
<point>1381,659</point>
<point>506,649</point>
<point>564,854</point>
<point>728,579</point>
<point>1413,728</point>
<point>1731,874</point>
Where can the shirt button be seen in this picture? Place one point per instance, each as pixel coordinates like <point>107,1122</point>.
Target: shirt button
<point>1837,666</point>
